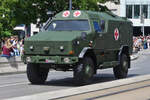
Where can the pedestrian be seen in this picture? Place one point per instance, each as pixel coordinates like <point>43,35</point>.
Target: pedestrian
<point>21,43</point>
<point>145,43</point>
<point>7,49</point>
<point>148,41</point>
<point>16,47</point>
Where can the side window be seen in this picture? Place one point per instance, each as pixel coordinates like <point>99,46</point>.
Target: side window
<point>102,25</point>
<point>96,26</point>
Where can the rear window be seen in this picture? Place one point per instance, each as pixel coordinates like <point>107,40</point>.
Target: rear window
<point>69,25</point>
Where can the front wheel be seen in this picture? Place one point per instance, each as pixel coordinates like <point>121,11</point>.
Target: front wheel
<point>121,71</point>
<point>84,71</point>
<point>36,74</point>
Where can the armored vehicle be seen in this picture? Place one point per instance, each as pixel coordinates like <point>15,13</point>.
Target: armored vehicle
<point>82,42</point>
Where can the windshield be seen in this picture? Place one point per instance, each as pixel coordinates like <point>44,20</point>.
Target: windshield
<point>69,25</point>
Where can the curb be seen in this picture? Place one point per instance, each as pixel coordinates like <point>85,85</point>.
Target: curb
<point>11,73</point>
<point>84,89</point>
<point>14,65</point>
<point>9,62</point>
<point>9,68</point>
<point>134,57</point>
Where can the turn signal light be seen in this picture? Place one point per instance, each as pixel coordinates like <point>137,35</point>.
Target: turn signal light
<point>71,52</point>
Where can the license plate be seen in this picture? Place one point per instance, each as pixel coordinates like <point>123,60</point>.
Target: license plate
<point>49,61</point>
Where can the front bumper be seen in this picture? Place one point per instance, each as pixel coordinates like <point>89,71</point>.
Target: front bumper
<point>50,59</point>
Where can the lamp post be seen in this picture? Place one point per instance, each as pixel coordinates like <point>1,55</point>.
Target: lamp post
<point>142,18</point>
<point>70,4</point>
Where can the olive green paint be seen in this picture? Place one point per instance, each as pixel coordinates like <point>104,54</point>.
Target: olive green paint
<point>104,46</point>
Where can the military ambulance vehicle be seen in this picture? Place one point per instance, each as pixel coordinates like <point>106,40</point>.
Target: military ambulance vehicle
<point>82,42</point>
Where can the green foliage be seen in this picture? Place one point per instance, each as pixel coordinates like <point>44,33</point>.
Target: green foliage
<point>31,10</point>
<point>15,12</point>
<point>6,21</point>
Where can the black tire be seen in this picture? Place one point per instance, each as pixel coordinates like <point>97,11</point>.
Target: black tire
<point>121,71</point>
<point>84,71</point>
<point>36,74</point>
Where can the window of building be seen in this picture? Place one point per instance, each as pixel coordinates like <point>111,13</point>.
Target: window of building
<point>144,10</point>
<point>129,11</point>
<point>136,11</point>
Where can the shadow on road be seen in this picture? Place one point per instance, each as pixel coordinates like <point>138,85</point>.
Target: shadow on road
<point>69,82</point>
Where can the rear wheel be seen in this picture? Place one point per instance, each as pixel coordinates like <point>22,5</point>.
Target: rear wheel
<point>36,74</point>
<point>121,71</point>
<point>84,71</point>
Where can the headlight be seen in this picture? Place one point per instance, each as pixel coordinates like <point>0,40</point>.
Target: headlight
<point>66,60</point>
<point>76,43</point>
<point>62,48</point>
<point>31,47</point>
<point>28,59</point>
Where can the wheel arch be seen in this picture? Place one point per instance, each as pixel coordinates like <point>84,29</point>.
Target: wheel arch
<point>124,50</point>
<point>90,53</point>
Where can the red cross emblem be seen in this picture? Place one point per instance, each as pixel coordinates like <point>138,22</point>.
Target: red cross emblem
<point>116,34</point>
<point>77,13</point>
<point>66,13</point>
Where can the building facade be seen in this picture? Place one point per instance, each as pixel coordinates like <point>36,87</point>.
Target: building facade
<point>138,11</point>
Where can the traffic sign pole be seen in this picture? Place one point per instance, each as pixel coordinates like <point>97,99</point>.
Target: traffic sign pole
<point>142,22</point>
<point>143,30</point>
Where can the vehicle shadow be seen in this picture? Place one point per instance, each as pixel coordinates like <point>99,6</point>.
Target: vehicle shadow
<point>70,82</point>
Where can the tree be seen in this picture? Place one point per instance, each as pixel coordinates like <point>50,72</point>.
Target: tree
<point>15,12</point>
<point>28,11</point>
<point>6,21</point>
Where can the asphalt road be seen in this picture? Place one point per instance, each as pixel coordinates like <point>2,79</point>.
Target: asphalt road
<point>18,85</point>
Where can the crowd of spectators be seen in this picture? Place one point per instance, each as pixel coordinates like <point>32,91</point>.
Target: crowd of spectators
<point>12,47</point>
<point>141,42</point>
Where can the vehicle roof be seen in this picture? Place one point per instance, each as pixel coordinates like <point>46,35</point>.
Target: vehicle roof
<point>90,15</point>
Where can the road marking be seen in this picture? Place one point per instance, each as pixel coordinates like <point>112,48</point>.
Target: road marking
<point>19,83</point>
<point>131,69</point>
<point>83,89</point>
<point>3,76</point>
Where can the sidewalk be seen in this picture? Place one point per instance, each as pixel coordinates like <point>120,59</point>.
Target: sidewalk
<point>10,66</point>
